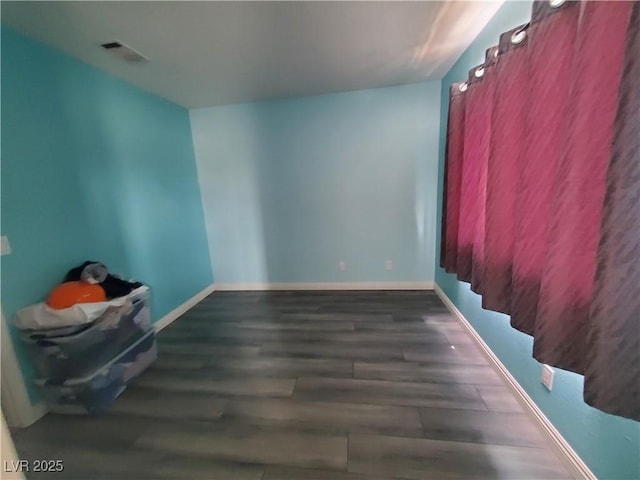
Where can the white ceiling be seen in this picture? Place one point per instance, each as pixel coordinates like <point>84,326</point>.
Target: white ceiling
<point>213,53</point>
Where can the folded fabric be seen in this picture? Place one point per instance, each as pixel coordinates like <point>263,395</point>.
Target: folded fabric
<point>41,317</point>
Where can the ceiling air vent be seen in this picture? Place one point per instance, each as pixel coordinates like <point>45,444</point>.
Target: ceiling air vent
<point>124,52</point>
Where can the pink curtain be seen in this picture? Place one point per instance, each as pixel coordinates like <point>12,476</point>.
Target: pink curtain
<point>568,274</point>
<point>485,91</point>
<point>469,185</point>
<point>547,173</point>
<point>453,177</point>
<point>477,134</point>
<point>550,49</point>
<point>506,151</point>
<point>615,307</point>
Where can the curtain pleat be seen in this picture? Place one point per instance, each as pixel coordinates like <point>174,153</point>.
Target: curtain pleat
<point>568,277</point>
<point>507,121</point>
<point>479,96</point>
<point>485,92</point>
<point>550,50</point>
<point>613,338</point>
<point>452,177</point>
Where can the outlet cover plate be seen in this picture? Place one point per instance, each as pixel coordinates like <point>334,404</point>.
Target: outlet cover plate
<point>547,377</point>
<point>5,247</point>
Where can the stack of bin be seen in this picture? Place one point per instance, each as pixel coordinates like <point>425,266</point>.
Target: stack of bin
<point>83,369</point>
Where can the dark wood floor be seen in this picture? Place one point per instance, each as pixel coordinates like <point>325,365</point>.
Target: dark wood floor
<point>306,385</point>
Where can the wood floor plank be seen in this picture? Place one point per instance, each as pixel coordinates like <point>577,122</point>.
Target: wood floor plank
<point>327,416</point>
<point>180,361</point>
<point>430,459</point>
<point>381,338</point>
<point>465,355</point>
<point>250,445</point>
<point>227,314</point>
<point>295,325</point>
<point>186,381</point>
<point>150,402</point>
<point>362,308</point>
<point>181,467</point>
<point>418,324</point>
<point>380,392</point>
<point>499,399</point>
<point>459,337</point>
<point>251,336</point>
<point>428,316</point>
<point>209,350</point>
<point>341,317</point>
<point>501,428</point>
<point>283,367</point>
<point>291,473</point>
<point>329,350</point>
<point>430,373</point>
<point>239,311</point>
<point>301,308</point>
<point>83,463</point>
<point>106,432</point>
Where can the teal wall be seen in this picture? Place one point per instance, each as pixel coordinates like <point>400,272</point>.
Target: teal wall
<point>94,168</point>
<point>609,445</point>
<point>291,187</point>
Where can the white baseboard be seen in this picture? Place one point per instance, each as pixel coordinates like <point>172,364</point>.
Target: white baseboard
<point>231,287</point>
<point>30,414</point>
<point>38,411</point>
<point>578,468</point>
<point>182,309</point>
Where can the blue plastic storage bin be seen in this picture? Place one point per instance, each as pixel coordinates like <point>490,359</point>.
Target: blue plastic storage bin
<point>93,394</point>
<point>58,354</point>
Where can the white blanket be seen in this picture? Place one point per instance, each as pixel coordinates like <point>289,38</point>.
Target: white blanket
<point>40,316</point>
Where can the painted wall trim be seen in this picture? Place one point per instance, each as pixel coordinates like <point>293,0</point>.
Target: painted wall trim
<point>183,308</point>
<point>578,468</point>
<point>15,399</point>
<point>231,287</point>
<point>9,455</point>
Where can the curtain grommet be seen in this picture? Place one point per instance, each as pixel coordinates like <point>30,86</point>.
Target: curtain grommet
<point>556,3</point>
<point>479,72</point>
<point>518,37</point>
<point>463,87</point>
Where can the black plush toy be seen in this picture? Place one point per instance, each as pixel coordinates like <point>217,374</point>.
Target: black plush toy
<point>96,272</point>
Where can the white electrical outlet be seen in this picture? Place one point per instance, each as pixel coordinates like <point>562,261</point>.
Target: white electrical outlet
<point>547,376</point>
<point>342,266</point>
<point>388,265</point>
<point>5,247</point>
